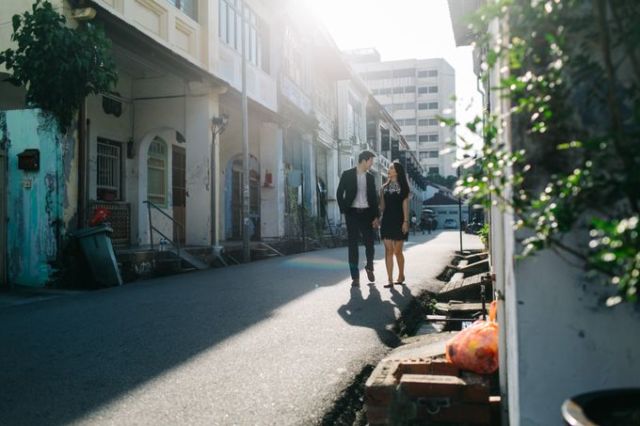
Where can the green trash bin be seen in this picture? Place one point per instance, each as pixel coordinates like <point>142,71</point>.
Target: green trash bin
<point>96,246</point>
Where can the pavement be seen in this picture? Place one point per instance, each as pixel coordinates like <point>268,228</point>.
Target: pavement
<point>269,342</point>
<point>24,295</point>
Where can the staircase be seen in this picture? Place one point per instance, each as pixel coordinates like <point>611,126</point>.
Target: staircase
<point>145,262</point>
<point>233,251</point>
<point>165,258</point>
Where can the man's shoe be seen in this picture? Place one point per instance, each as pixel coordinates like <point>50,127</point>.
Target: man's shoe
<point>370,275</point>
<point>355,283</point>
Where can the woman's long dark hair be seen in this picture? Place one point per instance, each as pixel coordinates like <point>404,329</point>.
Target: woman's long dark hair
<point>402,179</point>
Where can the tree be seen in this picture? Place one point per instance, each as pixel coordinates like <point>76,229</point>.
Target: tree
<point>449,181</point>
<point>58,66</point>
<point>572,76</point>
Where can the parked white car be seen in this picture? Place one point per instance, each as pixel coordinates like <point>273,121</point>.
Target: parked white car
<point>450,224</point>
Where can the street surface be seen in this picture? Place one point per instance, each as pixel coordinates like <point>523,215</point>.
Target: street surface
<point>270,342</point>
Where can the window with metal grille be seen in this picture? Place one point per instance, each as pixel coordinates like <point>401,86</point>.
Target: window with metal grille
<point>157,172</point>
<point>109,171</point>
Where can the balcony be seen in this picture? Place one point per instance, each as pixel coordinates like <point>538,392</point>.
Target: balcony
<point>172,23</point>
<point>294,94</point>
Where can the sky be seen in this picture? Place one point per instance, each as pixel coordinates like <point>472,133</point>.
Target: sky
<point>403,29</point>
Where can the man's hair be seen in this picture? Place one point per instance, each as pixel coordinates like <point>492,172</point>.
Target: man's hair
<point>365,156</point>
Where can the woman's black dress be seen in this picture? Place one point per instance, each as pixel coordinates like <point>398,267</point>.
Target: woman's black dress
<point>392,216</point>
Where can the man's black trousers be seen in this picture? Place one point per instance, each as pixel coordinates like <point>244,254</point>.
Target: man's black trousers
<point>359,223</point>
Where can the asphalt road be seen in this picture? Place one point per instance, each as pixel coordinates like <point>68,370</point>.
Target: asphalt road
<point>270,342</point>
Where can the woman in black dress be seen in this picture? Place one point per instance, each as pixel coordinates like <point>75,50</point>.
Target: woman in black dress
<point>394,227</point>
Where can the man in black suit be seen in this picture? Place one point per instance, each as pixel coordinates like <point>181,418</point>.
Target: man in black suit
<point>358,200</point>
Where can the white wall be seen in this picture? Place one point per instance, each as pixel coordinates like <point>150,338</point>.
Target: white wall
<point>199,110</point>
<point>272,198</point>
<point>557,339</point>
<point>568,342</point>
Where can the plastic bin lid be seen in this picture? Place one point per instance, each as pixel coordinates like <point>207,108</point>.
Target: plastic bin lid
<point>86,232</point>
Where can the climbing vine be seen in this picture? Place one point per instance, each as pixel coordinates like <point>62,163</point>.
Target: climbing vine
<point>57,65</point>
<point>571,72</point>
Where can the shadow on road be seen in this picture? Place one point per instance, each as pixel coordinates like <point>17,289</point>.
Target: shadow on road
<point>64,358</point>
<point>375,313</point>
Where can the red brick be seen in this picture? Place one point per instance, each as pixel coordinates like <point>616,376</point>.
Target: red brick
<point>476,389</point>
<point>426,366</point>
<point>381,385</point>
<point>475,393</point>
<point>429,385</point>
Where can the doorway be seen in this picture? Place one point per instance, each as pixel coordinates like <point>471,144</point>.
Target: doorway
<point>179,191</point>
<point>234,197</point>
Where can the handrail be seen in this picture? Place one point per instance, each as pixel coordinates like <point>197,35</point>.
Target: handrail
<point>152,228</point>
<point>160,210</point>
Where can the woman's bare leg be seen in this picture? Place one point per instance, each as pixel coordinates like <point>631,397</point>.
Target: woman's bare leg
<point>388,258</point>
<point>397,250</point>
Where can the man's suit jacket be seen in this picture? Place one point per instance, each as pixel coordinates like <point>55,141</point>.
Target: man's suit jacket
<point>348,189</point>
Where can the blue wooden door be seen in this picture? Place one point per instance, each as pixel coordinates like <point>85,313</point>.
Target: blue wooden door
<point>34,197</point>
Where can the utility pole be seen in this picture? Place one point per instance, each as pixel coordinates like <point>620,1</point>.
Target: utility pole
<point>218,125</point>
<point>460,212</point>
<point>245,143</point>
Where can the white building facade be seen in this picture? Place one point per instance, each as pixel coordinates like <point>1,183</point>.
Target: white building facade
<point>415,92</point>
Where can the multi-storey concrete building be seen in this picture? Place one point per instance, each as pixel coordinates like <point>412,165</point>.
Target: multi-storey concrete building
<point>415,92</point>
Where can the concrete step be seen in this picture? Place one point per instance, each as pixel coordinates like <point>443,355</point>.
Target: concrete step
<point>474,268</point>
<point>454,306</point>
<point>191,260</point>
<point>464,288</point>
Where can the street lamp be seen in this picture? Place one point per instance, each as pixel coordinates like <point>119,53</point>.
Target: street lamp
<point>218,124</point>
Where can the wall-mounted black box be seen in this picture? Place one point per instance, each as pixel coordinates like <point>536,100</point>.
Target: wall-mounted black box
<point>29,160</point>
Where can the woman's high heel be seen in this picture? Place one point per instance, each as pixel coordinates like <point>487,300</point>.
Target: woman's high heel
<point>400,281</point>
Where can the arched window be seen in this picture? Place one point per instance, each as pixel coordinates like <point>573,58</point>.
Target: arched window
<point>157,172</point>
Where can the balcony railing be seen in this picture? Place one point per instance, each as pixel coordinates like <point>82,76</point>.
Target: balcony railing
<point>383,162</point>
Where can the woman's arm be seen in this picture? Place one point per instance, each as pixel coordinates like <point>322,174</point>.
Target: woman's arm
<point>381,201</point>
<point>405,215</point>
